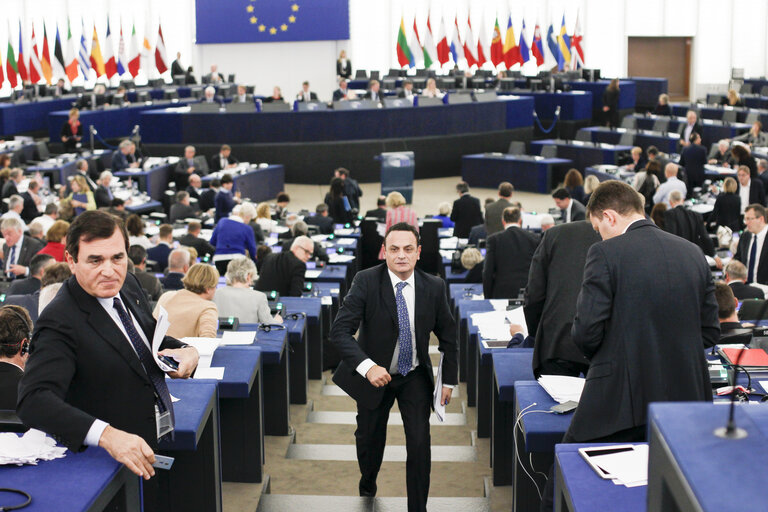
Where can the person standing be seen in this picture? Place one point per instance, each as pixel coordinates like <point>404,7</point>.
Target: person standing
<point>390,358</point>
<point>466,211</point>
<point>611,104</point>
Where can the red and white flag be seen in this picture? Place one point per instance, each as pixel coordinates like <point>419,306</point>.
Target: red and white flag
<point>161,57</point>
<point>35,68</point>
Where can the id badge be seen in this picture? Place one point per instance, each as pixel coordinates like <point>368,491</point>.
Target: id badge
<point>163,422</point>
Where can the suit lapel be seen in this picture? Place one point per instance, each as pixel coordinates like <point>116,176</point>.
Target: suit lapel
<point>387,294</point>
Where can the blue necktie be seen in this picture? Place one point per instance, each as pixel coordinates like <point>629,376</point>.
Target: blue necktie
<point>10,261</point>
<point>154,373</point>
<point>405,355</point>
<point>752,257</point>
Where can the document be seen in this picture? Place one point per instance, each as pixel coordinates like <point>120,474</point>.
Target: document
<point>517,316</point>
<point>238,337</point>
<point>205,349</point>
<point>562,388</point>
<point>210,373</point>
<point>161,328</point>
<point>629,468</point>
<point>340,258</point>
<point>345,241</point>
<point>492,325</point>
<point>438,393</point>
<point>312,274</point>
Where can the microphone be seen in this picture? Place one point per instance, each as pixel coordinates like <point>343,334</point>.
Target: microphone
<point>135,130</point>
<point>557,112</point>
<point>93,130</point>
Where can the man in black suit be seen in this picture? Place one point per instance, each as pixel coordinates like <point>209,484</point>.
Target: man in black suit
<point>10,188</point>
<point>726,313</point>
<point>692,125</point>
<point>351,188</point>
<point>298,229</point>
<point>195,187</point>
<point>305,94</point>
<point>750,191</point>
<point>466,211</point>
<point>508,257</point>
<point>554,282</point>
<point>103,194</point>
<point>178,264</point>
<point>570,209</point>
<point>242,96</point>
<point>494,210</point>
<point>342,92</point>
<point>380,212</point>
<point>223,159</point>
<point>99,320</point>
<point>176,67</point>
<point>192,239</point>
<point>185,167</point>
<point>18,248</point>
<point>160,252</point>
<point>688,224</point>
<point>207,199</point>
<point>284,271</point>
<point>124,157</point>
<point>751,250</point>
<point>182,209</point>
<point>374,91</point>
<point>31,284</point>
<point>736,278</point>
<point>15,334</point>
<point>29,211</point>
<point>395,307</point>
<point>407,91</point>
<point>321,219</point>
<point>150,283</point>
<point>694,157</point>
<point>214,77</point>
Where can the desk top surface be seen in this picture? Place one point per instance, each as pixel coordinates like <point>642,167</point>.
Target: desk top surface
<point>241,365</point>
<point>542,430</point>
<point>196,401</point>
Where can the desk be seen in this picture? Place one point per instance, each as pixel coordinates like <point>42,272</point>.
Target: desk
<point>623,174</point>
<point>146,207</point>
<point>275,362</point>
<point>336,274</point>
<point>712,131</point>
<point>509,366</point>
<point>582,154</point>
<point>194,481</point>
<point>454,277</point>
<point>467,359</point>
<point>298,371</point>
<point>242,421</point>
<point>627,93</point>
<point>26,116</point>
<point>86,481</point>
<point>574,105</point>
<point>647,90</point>
<point>531,174</point>
<point>258,184</point>
<point>313,308</point>
<point>665,142</point>
<point>153,181</point>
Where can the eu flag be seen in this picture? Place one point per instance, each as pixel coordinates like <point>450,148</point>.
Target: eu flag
<point>257,21</point>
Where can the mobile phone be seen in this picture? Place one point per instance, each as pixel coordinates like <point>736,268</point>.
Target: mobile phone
<point>564,407</point>
<point>169,361</point>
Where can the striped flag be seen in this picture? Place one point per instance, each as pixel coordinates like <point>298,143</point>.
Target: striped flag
<point>135,56</point>
<point>58,57</point>
<point>22,67</point>
<point>564,41</point>
<point>97,61</point>
<point>577,60</point>
<point>2,77</point>
<point>525,55</point>
<point>11,68</point>
<point>470,47</point>
<point>414,43</point>
<point>430,50</point>
<point>403,52</point>
<point>443,51</point>
<point>480,53</point>
<point>161,56</point>
<point>35,68</point>
<point>45,62</point>
<point>497,48</point>
<point>456,44</point>
<point>537,47</point>
<point>511,50</point>
<point>83,58</point>
<point>110,64</point>
<point>554,48</point>
<point>70,61</point>
<point>146,48</point>
<point>122,60</point>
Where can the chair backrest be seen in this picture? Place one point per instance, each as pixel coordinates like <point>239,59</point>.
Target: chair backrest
<point>374,75</point>
<point>446,82</point>
<point>661,125</point>
<point>764,90</point>
<point>752,116</point>
<point>201,163</point>
<point>751,309</point>
<point>629,122</point>
<point>745,89</point>
<point>361,73</point>
<point>549,151</point>
<point>627,139</point>
<point>170,94</point>
<point>370,243</point>
<point>729,116</point>
<point>42,152</point>
<point>584,135</point>
<point>231,78</point>
<point>516,147</point>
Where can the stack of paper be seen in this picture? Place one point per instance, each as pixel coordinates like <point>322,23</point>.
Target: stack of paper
<point>492,325</point>
<point>319,238</point>
<point>29,448</point>
<point>210,373</point>
<point>628,468</point>
<point>344,231</point>
<point>312,274</point>
<point>205,349</point>
<point>449,243</point>
<point>345,241</point>
<point>561,388</point>
<point>340,258</point>
<point>238,337</point>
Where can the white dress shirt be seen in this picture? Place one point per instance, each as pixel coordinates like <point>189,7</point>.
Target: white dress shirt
<point>568,211</point>
<point>744,195</point>
<point>759,239</point>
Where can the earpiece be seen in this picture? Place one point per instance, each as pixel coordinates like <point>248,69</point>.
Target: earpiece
<point>24,342</point>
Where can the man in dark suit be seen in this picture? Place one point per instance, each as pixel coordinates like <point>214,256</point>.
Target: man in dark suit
<point>195,187</point>
<point>305,94</point>
<point>15,334</point>
<point>100,319</point>
<point>395,307</point>
<point>150,283</point>
<point>751,191</point>
<point>182,209</point>
<point>18,248</point>
<point>162,250</point>
<point>374,91</point>
<point>103,194</point>
<point>178,264</point>
<point>687,224</point>
<point>730,325</point>
<point>321,219</point>
<point>124,156</point>
<point>176,68</point>
<point>284,271</point>
<point>31,284</point>
<point>298,229</point>
<point>380,212</point>
<point>736,278</point>
<point>214,77</point>
<point>242,96</point>
<point>223,159</point>
<point>508,257</point>
<point>694,157</point>
<point>407,90</point>
<point>494,210</point>
<point>692,125</point>
<point>185,167</point>
<point>751,250</point>
<point>570,209</point>
<point>192,239</point>
<point>466,211</point>
<point>29,211</point>
<point>10,188</point>
<point>554,282</point>
<point>208,196</point>
<point>351,188</point>
<point>341,93</point>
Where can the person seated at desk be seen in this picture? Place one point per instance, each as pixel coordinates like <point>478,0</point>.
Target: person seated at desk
<point>225,200</point>
<point>750,191</point>
<point>31,197</point>
<point>277,95</point>
<point>281,206</point>
<point>232,235</point>
<point>755,136</point>
<point>214,77</point>
<point>192,239</point>
<point>508,257</point>
<point>10,187</point>
<point>149,282</point>
<point>15,206</point>
<point>574,184</point>
<point>195,187</point>
<point>721,155</point>
<point>223,159</point>
<point>570,209</point>
<point>662,108</point>
<point>242,96</point>
<point>688,225</point>
<point>727,209</point>
<point>182,209</point>
<point>124,156</point>
<point>380,212</point>
<point>31,283</point>
<point>185,167</point>
<point>81,197</point>
<point>407,90</point>
<point>431,90</point>
<point>284,271</point>
<point>135,227</point>
<point>305,94</point>
<point>321,219</point>
<point>189,77</point>
<point>238,299</point>
<point>343,65</point>
<point>117,208</point>
<point>343,92</point>
<point>209,96</point>
<point>751,248</point>
<point>672,183</point>
<point>60,89</point>
<point>472,261</point>
<point>207,199</point>
<point>638,159</point>
<point>742,155</point>
<point>732,99</point>
<point>374,91</point>
<point>160,252</point>
<point>444,215</point>
<point>298,229</point>
<point>72,131</point>
<point>55,238</point>
<point>736,278</point>
<point>103,194</point>
<point>178,265</point>
<point>693,158</point>
<point>191,310</point>
<point>726,312</point>
<point>15,332</point>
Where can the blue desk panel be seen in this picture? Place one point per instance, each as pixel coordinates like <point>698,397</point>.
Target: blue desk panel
<point>712,131</point>
<point>627,92</point>
<point>196,399</point>
<point>17,118</point>
<point>648,89</point>
<point>666,143</point>
<point>153,181</point>
<point>525,172</point>
<point>240,367</point>
<point>583,155</point>
<point>542,431</point>
<point>258,184</point>
<point>574,106</point>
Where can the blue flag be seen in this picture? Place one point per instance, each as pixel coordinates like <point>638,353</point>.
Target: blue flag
<point>554,47</point>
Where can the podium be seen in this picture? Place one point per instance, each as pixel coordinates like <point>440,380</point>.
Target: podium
<point>397,171</point>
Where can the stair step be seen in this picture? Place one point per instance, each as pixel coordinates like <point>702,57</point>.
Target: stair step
<point>294,502</point>
<point>349,418</point>
<point>334,390</point>
<point>348,452</point>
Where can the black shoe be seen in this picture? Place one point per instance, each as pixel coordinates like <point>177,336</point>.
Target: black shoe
<point>367,488</point>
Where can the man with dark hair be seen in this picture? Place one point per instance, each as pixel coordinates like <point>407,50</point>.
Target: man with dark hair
<point>100,319</point>
<point>159,253</point>
<point>751,250</point>
<point>208,197</point>
<point>117,208</point>
<point>192,239</point>
<point>726,309</point>
<point>182,209</point>
<point>466,211</point>
<point>305,94</point>
<point>736,278</point>
<point>284,271</point>
<point>570,209</point>
<point>380,212</point>
<point>351,188</point>
<point>281,206</point>
<point>508,257</point>
<point>374,91</point>
<point>407,90</point>
<point>10,187</point>
<point>15,334</point>
<point>31,284</point>
<point>321,219</point>
<point>390,359</point>
<point>694,157</point>
<point>223,160</point>
<point>494,210</point>
<point>151,284</point>
<point>29,211</point>
<point>340,94</point>
<point>655,156</point>
<point>225,200</point>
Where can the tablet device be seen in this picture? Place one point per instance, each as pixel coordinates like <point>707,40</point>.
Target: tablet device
<point>588,453</point>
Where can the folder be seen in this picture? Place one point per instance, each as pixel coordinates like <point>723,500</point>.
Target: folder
<point>750,357</point>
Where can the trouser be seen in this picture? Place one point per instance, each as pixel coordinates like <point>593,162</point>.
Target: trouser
<point>414,395</point>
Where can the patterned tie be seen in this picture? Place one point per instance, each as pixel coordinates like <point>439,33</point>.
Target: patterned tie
<point>11,261</point>
<point>752,256</point>
<point>405,355</point>
<point>155,374</point>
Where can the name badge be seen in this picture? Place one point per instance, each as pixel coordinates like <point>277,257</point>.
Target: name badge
<point>163,422</point>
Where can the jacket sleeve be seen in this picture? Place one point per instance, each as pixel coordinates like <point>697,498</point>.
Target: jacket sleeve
<point>445,330</point>
<point>250,241</point>
<point>208,322</point>
<point>536,291</point>
<point>297,280</point>
<point>593,307</point>
<point>347,322</point>
<point>710,324</point>
<point>488,269</point>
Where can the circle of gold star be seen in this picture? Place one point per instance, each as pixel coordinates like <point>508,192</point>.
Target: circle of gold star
<point>272,29</point>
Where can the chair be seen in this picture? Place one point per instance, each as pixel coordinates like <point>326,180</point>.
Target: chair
<point>143,96</point>
<point>361,74</point>
<point>661,125</point>
<point>516,147</point>
<point>9,422</point>
<point>627,139</point>
<point>446,83</point>
<point>41,151</point>
<point>752,117</point>
<point>629,122</point>
<point>231,78</point>
<point>506,84</point>
<point>584,136</point>
<point>745,89</point>
<point>430,260</point>
<point>764,90</point>
<point>172,94</point>
<point>751,309</point>
<point>201,163</point>
<point>549,151</point>
<point>729,116</point>
<point>370,243</point>
<point>374,75</point>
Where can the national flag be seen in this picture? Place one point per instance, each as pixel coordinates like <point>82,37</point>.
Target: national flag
<point>2,77</point>
<point>456,44</point>
<point>146,48</point>
<point>524,53</point>
<point>35,68</point>
<point>82,55</point>
<point>122,60</point>
<point>430,50</point>
<point>45,62</point>
<point>161,56</point>
<point>12,69</point>
<point>135,56</point>
<point>58,57</point>
<point>22,67</point>
<point>537,47</point>
<point>403,52</point>
<point>443,51</point>
<point>70,60</point>
<point>564,41</point>
<point>97,60</point>
<point>554,48</point>
<point>497,48</point>
<point>110,64</point>
<point>414,44</point>
<point>470,47</point>
<point>480,53</point>
<point>577,55</point>
<point>511,50</point>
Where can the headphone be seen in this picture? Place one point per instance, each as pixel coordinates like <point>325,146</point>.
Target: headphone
<point>271,327</point>
<point>24,342</point>
<point>296,316</point>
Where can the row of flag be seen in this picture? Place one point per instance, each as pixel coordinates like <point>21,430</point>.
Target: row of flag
<point>413,50</point>
<point>33,66</point>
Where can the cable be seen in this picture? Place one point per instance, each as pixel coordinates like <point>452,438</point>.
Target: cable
<point>517,452</point>
<point>20,505</point>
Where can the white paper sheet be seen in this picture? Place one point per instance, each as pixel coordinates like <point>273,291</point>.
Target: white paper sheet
<point>326,300</point>
<point>312,274</point>
<point>205,349</point>
<point>161,328</point>
<point>340,258</point>
<point>438,392</point>
<point>492,325</point>
<point>517,316</point>
<point>210,373</point>
<point>238,337</point>
<point>33,446</point>
<point>499,304</point>
<point>562,388</point>
<point>630,468</point>
<point>345,241</point>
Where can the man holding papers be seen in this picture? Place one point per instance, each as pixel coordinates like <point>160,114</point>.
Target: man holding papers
<point>395,307</point>
<point>91,379</point>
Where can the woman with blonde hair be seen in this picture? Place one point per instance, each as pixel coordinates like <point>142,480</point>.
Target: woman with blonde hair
<point>343,65</point>
<point>590,184</point>
<point>81,197</point>
<point>191,311</point>
<point>264,218</point>
<point>727,210</point>
<point>444,215</point>
<point>397,212</point>
<point>472,260</point>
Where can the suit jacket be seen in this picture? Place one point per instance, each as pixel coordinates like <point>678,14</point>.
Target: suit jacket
<point>319,253</point>
<point>207,199</point>
<point>192,191</point>
<point>102,196</point>
<point>642,353</point>
<point>694,157</point>
<point>312,96</point>
<point>743,291</point>
<point>756,191</point>
<point>283,272</point>
<point>216,162</point>
<point>24,286</point>
<point>121,162</point>
<point>370,309</point>
<point>760,140</point>
<point>369,95</point>
<point>689,225</point>
<point>177,69</point>
<point>742,254</point>
<point>493,214</point>
<point>339,94</point>
<point>345,70</point>
<point>507,262</point>
<point>10,375</point>
<point>554,282</point>
<point>324,224</point>
<point>465,214</point>
<point>29,247</point>
<point>476,234</point>
<point>182,211</point>
<point>379,213</point>
<point>247,99</point>
<point>181,177</point>
<point>353,192</point>
<point>225,203</point>
<point>727,211</point>
<point>201,245</point>
<point>578,211</point>
<point>149,283</point>
<point>29,211</point>
<point>9,189</point>
<point>159,254</point>
<point>172,281</point>
<point>82,368</point>
<point>475,274</point>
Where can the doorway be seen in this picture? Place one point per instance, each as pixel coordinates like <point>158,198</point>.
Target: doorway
<point>643,56</point>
